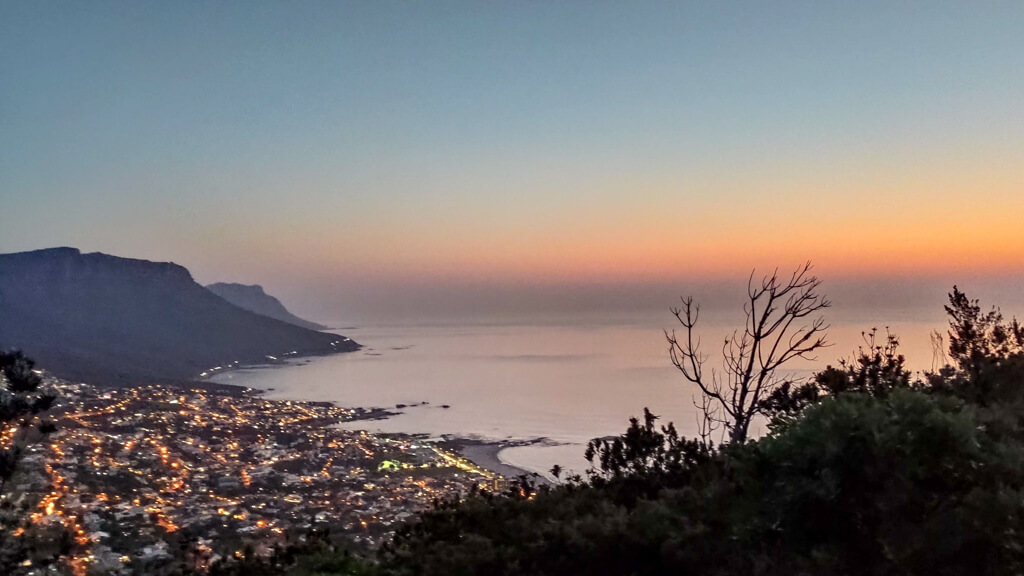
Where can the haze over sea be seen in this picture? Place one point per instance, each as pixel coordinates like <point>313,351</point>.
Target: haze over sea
<point>564,378</point>
<point>505,198</point>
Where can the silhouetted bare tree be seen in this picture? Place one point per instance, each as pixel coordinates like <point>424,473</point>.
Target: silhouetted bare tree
<point>782,324</point>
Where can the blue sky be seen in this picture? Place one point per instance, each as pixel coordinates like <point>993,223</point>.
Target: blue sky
<point>338,148</point>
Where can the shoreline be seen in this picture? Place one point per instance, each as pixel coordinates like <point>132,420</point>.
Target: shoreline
<point>483,453</point>
<point>486,454</point>
<point>205,381</point>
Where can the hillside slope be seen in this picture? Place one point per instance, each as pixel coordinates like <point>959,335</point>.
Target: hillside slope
<point>254,299</point>
<point>116,320</point>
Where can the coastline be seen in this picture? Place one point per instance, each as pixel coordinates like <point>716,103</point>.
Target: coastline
<point>486,454</point>
<point>205,379</point>
<point>482,452</point>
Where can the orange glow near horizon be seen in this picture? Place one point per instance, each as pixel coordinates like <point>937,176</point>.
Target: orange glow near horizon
<point>364,156</point>
<point>641,244</point>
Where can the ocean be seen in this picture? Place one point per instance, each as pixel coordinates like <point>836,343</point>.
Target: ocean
<point>563,380</point>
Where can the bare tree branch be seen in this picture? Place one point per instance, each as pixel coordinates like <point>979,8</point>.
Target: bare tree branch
<point>775,332</point>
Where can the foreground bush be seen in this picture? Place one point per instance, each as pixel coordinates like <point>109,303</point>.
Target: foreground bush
<point>864,471</point>
<point>908,484</point>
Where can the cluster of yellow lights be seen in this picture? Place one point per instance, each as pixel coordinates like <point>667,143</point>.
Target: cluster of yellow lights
<point>101,451</point>
<point>7,436</point>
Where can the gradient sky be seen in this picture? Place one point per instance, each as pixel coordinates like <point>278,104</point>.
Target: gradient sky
<point>357,158</point>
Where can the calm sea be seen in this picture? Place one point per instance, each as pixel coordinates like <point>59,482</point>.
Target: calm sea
<point>565,380</point>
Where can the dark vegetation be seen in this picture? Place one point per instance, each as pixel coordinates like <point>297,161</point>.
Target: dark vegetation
<point>23,406</point>
<point>866,469</point>
<point>110,320</point>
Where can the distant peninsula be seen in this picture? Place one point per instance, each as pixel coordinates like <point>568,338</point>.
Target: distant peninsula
<point>110,320</point>
<point>254,299</point>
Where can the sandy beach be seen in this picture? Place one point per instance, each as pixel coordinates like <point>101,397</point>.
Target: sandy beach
<point>485,454</point>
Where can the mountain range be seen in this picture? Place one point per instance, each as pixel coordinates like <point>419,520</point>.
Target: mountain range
<point>254,299</point>
<point>111,320</point>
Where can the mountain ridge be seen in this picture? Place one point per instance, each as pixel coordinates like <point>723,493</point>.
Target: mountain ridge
<point>254,299</point>
<point>107,319</point>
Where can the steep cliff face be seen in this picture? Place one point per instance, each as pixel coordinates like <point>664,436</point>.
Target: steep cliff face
<point>254,299</point>
<point>103,318</point>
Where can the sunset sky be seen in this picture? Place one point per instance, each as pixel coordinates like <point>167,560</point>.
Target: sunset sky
<point>357,158</point>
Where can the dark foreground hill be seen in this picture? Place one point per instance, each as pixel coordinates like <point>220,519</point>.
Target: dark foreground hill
<point>254,299</point>
<point>115,320</point>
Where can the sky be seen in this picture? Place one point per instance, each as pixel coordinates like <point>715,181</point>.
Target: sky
<point>375,158</point>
